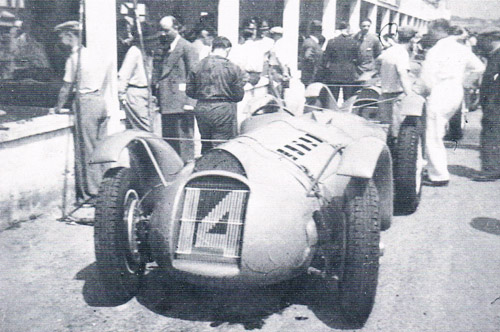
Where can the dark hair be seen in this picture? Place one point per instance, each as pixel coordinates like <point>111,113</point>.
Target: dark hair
<point>366,19</point>
<point>405,34</point>
<point>456,30</point>
<point>440,23</point>
<point>343,25</point>
<point>314,26</point>
<point>221,42</point>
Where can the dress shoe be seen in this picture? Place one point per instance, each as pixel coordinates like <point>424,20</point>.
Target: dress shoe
<point>428,182</point>
<point>485,177</point>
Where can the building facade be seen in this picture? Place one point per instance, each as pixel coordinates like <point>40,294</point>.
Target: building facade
<point>101,16</point>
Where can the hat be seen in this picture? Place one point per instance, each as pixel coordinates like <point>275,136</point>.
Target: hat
<point>406,32</point>
<point>276,30</point>
<point>68,26</point>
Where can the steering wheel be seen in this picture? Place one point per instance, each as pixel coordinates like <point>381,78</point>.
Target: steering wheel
<point>270,108</point>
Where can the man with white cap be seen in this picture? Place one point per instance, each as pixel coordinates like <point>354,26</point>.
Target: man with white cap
<point>86,71</point>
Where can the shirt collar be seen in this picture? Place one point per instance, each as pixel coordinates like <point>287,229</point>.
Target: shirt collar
<point>173,44</point>
<point>314,38</point>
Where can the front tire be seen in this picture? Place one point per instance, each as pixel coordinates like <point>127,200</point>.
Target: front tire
<point>358,281</point>
<point>345,271</point>
<point>117,246</point>
<point>408,167</point>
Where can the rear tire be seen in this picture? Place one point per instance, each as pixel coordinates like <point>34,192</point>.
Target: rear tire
<point>408,167</point>
<point>120,268</point>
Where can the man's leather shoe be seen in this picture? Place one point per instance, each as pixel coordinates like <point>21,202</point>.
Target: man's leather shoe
<point>428,182</point>
<point>485,177</point>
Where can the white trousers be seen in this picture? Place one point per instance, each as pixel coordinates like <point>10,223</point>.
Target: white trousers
<point>444,100</point>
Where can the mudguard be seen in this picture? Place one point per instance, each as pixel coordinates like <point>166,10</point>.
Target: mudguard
<point>412,105</point>
<point>144,149</point>
<point>359,159</point>
<point>370,158</point>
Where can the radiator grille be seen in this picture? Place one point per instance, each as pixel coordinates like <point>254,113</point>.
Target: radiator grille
<point>211,223</point>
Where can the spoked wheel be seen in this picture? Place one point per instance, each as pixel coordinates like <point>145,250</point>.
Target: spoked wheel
<point>408,167</point>
<point>351,258</point>
<point>119,235</point>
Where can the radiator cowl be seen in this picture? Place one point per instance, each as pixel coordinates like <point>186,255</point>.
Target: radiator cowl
<point>211,219</point>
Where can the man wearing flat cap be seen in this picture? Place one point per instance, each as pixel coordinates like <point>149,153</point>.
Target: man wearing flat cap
<point>86,72</point>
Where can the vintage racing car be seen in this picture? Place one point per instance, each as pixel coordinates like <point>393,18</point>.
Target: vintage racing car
<point>289,197</point>
<point>405,135</point>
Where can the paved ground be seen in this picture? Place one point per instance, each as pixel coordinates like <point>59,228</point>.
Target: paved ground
<point>440,272</point>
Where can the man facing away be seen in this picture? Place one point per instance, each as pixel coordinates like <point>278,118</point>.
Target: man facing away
<point>179,58</point>
<point>446,66</point>
<point>91,120</point>
<point>339,63</point>
<point>217,84</point>
<point>369,50</point>
<point>394,70</point>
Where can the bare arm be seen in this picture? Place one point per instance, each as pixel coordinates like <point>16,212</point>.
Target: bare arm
<point>62,98</point>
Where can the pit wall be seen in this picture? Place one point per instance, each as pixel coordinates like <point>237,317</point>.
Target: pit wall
<point>36,167</point>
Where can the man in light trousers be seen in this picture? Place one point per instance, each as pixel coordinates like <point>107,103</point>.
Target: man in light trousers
<point>444,70</point>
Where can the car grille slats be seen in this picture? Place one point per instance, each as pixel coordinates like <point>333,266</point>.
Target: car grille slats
<point>212,222</point>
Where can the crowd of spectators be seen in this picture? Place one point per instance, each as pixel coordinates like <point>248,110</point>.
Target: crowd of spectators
<point>194,80</point>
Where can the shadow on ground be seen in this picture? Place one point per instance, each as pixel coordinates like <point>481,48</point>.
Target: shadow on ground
<point>249,308</point>
<point>488,225</point>
<point>463,171</point>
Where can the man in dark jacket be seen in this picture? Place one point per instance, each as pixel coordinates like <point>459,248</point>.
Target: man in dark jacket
<point>369,50</point>
<point>339,63</point>
<point>310,53</point>
<point>489,43</point>
<point>180,57</point>
<point>217,84</point>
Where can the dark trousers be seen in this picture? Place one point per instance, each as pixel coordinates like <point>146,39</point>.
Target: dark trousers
<point>216,121</point>
<point>490,139</point>
<point>180,126</point>
<point>348,91</point>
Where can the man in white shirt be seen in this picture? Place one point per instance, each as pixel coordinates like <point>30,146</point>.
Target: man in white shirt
<point>447,65</point>
<point>133,83</point>
<point>394,68</point>
<point>91,117</point>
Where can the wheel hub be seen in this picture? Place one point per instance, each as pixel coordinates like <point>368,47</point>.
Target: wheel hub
<point>133,222</point>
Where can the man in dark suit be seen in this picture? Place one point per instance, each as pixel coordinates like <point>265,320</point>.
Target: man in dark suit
<point>179,58</point>
<point>369,49</point>
<point>489,45</point>
<point>339,63</point>
<point>311,52</point>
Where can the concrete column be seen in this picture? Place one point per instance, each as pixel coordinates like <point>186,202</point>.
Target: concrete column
<point>354,15</point>
<point>372,15</point>
<point>100,30</point>
<point>402,19</point>
<point>386,15</point>
<point>396,18</point>
<point>229,19</point>
<point>291,21</point>
<point>411,21</point>
<point>329,18</point>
